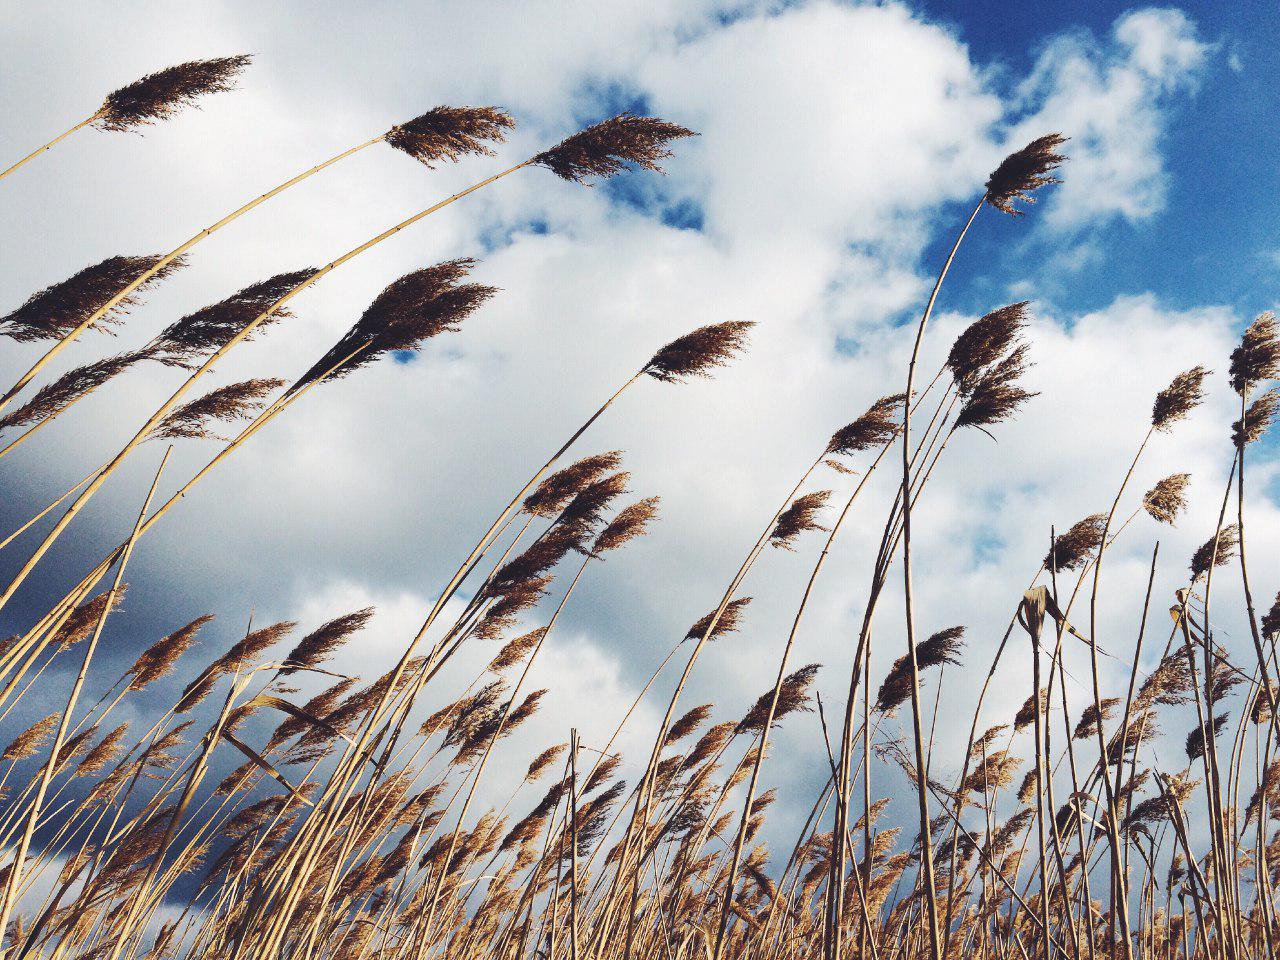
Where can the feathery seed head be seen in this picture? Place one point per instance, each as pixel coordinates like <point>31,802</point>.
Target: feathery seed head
<point>1167,499</point>
<point>418,306</point>
<point>984,342</point>
<point>235,401</point>
<point>450,133</point>
<point>55,311</point>
<point>1257,419</point>
<point>1023,172</point>
<point>1257,359</point>
<point>629,523</point>
<point>1074,547</point>
<point>606,148</point>
<point>696,354</point>
<point>1215,552</point>
<point>874,428</point>
<point>800,517</point>
<point>1175,401</point>
<point>160,95</point>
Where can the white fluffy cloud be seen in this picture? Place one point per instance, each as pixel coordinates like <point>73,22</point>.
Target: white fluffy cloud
<point>835,142</point>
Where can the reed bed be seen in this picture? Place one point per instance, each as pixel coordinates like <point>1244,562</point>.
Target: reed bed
<point>358,821</point>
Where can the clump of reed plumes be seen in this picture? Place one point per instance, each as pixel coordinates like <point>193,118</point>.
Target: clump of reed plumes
<point>984,343</point>
<point>450,133</point>
<point>160,95</point>
<point>235,401</point>
<point>698,353</point>
<point>418,306</point>
<point>1257,359</point>
<point>55,311</point>
<point>1215,552</point>
<point>799,517</point>
<point>995,395</point>
<point>877,426</point>
<point>1167,498</point>
<point>943,647</point>
<point>555,491</point>
<point>1177,400</point>
<point>606,148</point>
<point>1023,172</point>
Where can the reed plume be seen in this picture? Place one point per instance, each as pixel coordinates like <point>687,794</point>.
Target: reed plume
<point>450,133</point>
<point>1167,499</point>
<point>104,290</point>
<point>235,401</point>
<point>606,148</point>
<point>418,306</point>
<point>1023,172</point>
<point>159,95</point>
<point>942,647</point>
<point>698,353</point>
<point>1176,401</point>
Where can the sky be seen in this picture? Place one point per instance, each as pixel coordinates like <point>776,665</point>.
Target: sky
<point>841,146</point>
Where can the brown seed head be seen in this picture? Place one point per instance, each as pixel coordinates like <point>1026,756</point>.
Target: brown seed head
<point>1026,714</point>
<point>542,761</point>
<point>1088,725</point>
<point>1074,547</point>
<point>874,428</point>
<point>687,724</point>
<point>793,696</point>
<point>84,619</point>
<point>1257,419</point>
<point>160,95</point>
<point>557,490</point>
<point>943,647</point>
<point>1271,619</point>
<point>729,621</point>
<point>995,396</point>
<point>696,354</point>
<point>1215,552</point>
<point>586,510</point>
<point>800,517</point>
<point>56,310</point>
<point>186,340</point>
<point>1257,359</point>
<point>1167,499</point>
<point>1175,401</point>
<point>235,401</point>
<point>104,752</point>
<point>629,523</point>
<point>516,650</point>
<point>415,308</point>
<point>984,342</point>
<point>159,659</point>
<point>1023,172</point>
<point>450,133</point>
<point>321,643</point>
<point>607,147</point>
<point>27,744</point>
<point>73,385</point>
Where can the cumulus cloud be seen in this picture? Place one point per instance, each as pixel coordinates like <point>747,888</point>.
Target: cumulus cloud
<point>1113,98</point>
